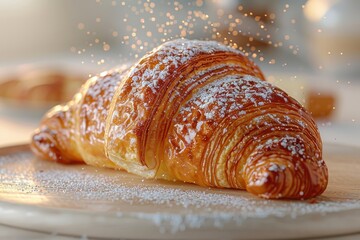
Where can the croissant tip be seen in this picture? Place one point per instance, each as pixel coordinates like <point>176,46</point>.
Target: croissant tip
<point>283,183</point>
<point>44,145</point>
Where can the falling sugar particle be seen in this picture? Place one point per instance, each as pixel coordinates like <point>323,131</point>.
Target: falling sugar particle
<point>225,26</point>
<point>81,26</point>
<point>106,47</point>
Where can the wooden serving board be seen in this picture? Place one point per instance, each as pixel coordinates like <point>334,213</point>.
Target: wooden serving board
<point>80,200</point>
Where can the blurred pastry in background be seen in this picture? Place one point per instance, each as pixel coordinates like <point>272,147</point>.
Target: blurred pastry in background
<point>318,97</point>
<point>320,104</point>
<point>39,87</point>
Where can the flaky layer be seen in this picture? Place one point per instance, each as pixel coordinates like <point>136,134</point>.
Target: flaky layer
<point>241,132</point>
<point>142,109</point>
<point>74,133</point>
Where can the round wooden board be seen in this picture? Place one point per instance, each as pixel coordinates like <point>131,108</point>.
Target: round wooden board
<point>80,200</point>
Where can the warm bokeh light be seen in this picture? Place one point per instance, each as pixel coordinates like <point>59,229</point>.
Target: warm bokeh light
<point>314,10</point>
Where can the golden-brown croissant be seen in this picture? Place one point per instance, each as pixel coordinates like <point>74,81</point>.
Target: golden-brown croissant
<point>194,111</point>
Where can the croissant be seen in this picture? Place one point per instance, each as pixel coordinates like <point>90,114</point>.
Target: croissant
<point>194,111</point>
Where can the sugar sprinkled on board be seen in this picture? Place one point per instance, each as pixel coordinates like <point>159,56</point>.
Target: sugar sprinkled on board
<point>104,189</point>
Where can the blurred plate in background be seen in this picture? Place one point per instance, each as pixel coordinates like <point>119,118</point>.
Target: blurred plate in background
<point>33,89</point>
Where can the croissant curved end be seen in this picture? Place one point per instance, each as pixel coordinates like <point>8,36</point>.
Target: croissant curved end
<point>44,144</point>
<point>51,141</point>
<point>281,178</point>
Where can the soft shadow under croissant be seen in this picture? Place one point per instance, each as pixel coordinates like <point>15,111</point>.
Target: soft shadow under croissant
<point>193,111</point>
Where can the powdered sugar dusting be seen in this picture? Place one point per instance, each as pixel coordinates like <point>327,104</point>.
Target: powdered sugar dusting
<point>202,76</point>
<point>182,206</point>
<point>276,168</point>
<point>232,93</point>
<point>98,93</point>
<point>228,95</point>
<point>295,145</point>
<point>169,57</point>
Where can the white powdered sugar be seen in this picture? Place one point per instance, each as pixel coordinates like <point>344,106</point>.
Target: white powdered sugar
<point>276,168</point>
<point>97,96</point>
<point>180,206</point>
<point>170,56</point>
<point>295,145</point>
<point>232,93</point>
<point>292,144</point>
<point>228,95</point>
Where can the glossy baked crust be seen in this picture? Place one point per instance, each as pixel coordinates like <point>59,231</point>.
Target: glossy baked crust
<point>193,111</point>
